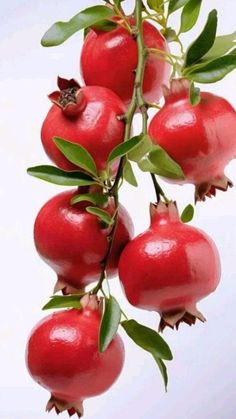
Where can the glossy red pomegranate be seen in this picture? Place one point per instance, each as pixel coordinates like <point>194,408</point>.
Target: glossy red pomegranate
<point>73,242</point>
<point>201,138</point>
<point>110,59</point>
<point>62,356</point>
<point>169,267</point>
<point>85,116</point>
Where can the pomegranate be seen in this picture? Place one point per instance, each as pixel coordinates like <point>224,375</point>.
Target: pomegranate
<point>62,355</point>
<point>110,59</point>
<point>83,115</point>
<point>169,267</point>
<point>73,242</point>
<point>200,138</point>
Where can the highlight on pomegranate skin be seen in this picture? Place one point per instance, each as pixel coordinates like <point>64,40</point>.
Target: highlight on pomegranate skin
<point>62,356</point>
<point>169,268</point>
<point>201,138</point>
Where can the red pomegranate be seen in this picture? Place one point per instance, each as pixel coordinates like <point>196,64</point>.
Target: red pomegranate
<point>62,356</point>
<point>73,242</point>
<point>110,59</point>
<point>201,138</point>
<point>83,115</point>
<point>169,267</point>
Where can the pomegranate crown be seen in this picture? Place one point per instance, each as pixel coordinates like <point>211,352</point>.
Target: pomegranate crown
<point>70,97</point>
<point>164,212</point>
<point>179,89</point>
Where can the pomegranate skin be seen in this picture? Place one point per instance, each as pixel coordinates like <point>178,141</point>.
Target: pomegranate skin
<point>170,267</point>
<point>95,126</point>
<point>62,356</point>
<point>201,138</point>
<point>118,49</point>
<point>73,243</point>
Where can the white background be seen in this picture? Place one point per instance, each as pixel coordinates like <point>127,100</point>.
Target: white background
<point>203,373</point>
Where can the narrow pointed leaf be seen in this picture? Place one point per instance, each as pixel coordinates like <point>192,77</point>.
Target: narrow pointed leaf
<point>213,71</point>
<point>194,94</point>
<point>96,199</point>
<point>190,15</point>
<point>163,371</point>
<point>175,5</point>
<point>221,46</point>
<point>204,42</point>
<point>123,148</point>
<point>61,31</point>
<point>187,214</point>
<point>170,34</point>
<point>129,175</point>
<point>60,177</point>
<point>160,163</point>
<point>147,339</point>
<point>144,146</point>
<point>156,5</point>
<point>105,25</point>
<point>100,213</point>
<point>76,154</point>
<point>110,323</point>
<point>63,301</point>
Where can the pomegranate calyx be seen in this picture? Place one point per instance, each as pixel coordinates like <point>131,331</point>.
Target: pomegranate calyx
<point>61,405</point>
<point>163,212</point>
<point>179,89</point>
<point>69,98</point>
<point>174,318</point>
<point>64,84</point>
<point>208,189</point>
<point>61,285</point>
<point>90,301</point>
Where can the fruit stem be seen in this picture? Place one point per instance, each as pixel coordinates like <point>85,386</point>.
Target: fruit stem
<point>128,118</point>
<point>159,191</point>
<point>136,102</point>
<point>142,104</point>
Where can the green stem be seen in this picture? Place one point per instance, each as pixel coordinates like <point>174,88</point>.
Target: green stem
<point>159,191</point>
<point>142,104</point>
<point>137,101</point>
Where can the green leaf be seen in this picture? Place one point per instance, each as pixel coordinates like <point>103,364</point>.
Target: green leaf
<point>61,31</point>
<point>101,214</point>
<point>213,71</point>
<point>175,5</point>
<point>194,94</point>
<point>64,301</point>
<point>157,5</point>
<point>105,25</point>
<point>160,163</point>
<point>221,46</point>
<point>144,146</point>
<point>110,323</point>
<point>76,154</point>
<point>190,15</point>
<point>147,339</point>
<point>204,42</point>
<point>129,175</point>
<point>187,214</point>
<point>96,198</point>
<point>60,177</point>
<point>169,34</point>
<point>163,370</point>
<point>123,148</point>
